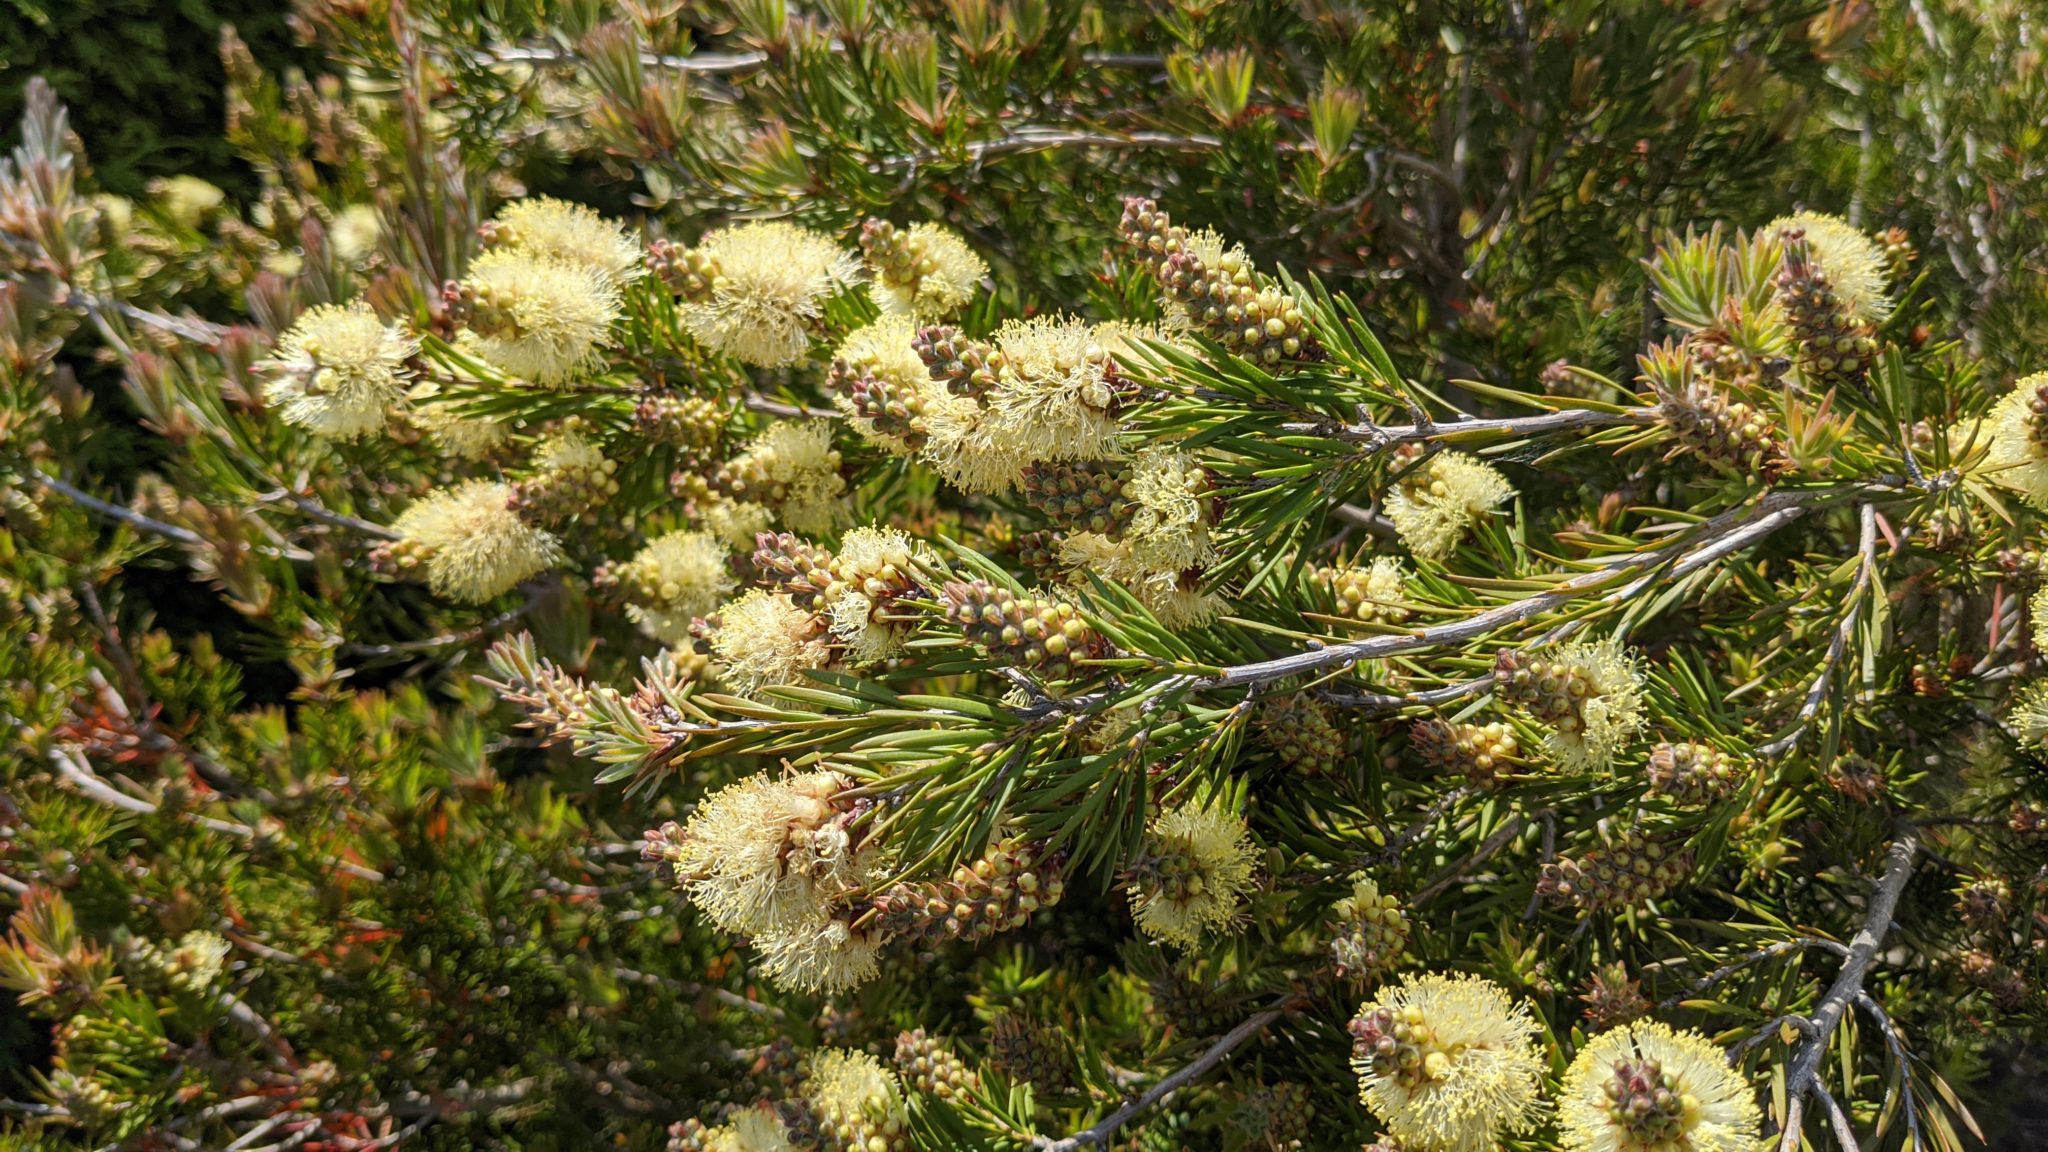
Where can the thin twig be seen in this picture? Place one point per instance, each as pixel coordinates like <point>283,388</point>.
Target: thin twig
<point>327,515</point>
<point>133,519</point>
<point>1729,532</point>
<point>730,63</point>
<point>759,403</point>
<point>1796,944</point>
<point>1569,420</point>
<point>1868,1003</point>
<point>1884,903</point>
<point>1810,706</point>
<point>1508,830</point>
<point>1045,138</point>
<point>1102,1131</point>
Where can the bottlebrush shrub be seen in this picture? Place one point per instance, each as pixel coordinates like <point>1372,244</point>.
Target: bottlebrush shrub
<point>990,711</point>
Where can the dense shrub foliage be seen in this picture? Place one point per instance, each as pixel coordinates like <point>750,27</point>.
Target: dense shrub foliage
<point>1037,574</point>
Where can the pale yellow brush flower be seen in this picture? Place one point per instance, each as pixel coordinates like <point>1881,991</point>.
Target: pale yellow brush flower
<point>876,553</point>
<point>1173,598</point>
<point>339,370</point>
<point>1196,867</point>
<point>2037,611</point>
<point>763,639</point>
<point>1646,1087</point>
<point>1448,1063</point>
<point>948,274</point>
<point>829,956</point>
<point>794,467</point>
<point>871,563</point>
<point>971,451</point>
<point>117,213</point>
<point>856,1100</point>
<point>2014,456</point>
<point>772,281</point>
<point>1854,263</point>
<point>884,350</point>
<point>459,434</point>
<point>571,233</point>
<point>536,318</point>
<point>768,853</point>
<point>567,452</point>
<point>1054,399</point>
<point>1436,504</point>
<point>354,233</point>
<point>735,522</point>
<point>2029,715</point>
<point>1169,530</point>
<point>868,641</point>
<point>1210,248</point>
<point>474,546</point>
<point>188,199</point>
<point>683,575</point>
<point>1377,592</point>
<point>757,1129</point>
<point>1612,715</point>
<point>195,964</point>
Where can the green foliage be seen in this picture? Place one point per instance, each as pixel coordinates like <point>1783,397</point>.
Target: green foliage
<point>1529,556</point>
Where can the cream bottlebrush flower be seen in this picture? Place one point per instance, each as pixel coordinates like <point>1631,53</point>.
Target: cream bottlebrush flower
<point>772,281</point>
<point>763,638</point>
<point>1854,263</point>
<point>1437,502</point>
<point>794,467</point>
<point>188,199</point>
<point>2029,715</point>
<point>970,450</point>
<point>537,318</point>
<point>767,854</point>
<point>735,522</point>
<point>873,563</point>
<point>2016,455</point>
<point>945,275</point>
<point>1169,530</point>
<point>858,1102</point>
<point>1645,1087</point>
<point>1447,1063</point>
<point>1196,865</point>
<point>570,233</point>
<point>339,370</point>
<point>825,957</point>
<point>1377,592</point>
<point>1589,693</point>
<point>1208,246</point>
<point>460,435</point>
<point>473,545</point>
<point>754,1130</point>
<point>1172,597</point>
<point>1055,397</point>
<point>883,351</point>
<point>677,577</point>
<point>354,233</point>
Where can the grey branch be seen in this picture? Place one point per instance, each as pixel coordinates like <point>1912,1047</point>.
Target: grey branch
<point>1570,420</point>
<point>1726,533</point>
<point>729,63</point>
<point>1804,1077</point>
<point>133,519</point>
<point>1102,1131</point>
<point>1810,706</point>
<point>1747,959</point>
<point>1046,138</point>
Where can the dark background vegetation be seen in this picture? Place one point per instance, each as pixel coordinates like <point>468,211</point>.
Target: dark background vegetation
<point>143,79</point>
